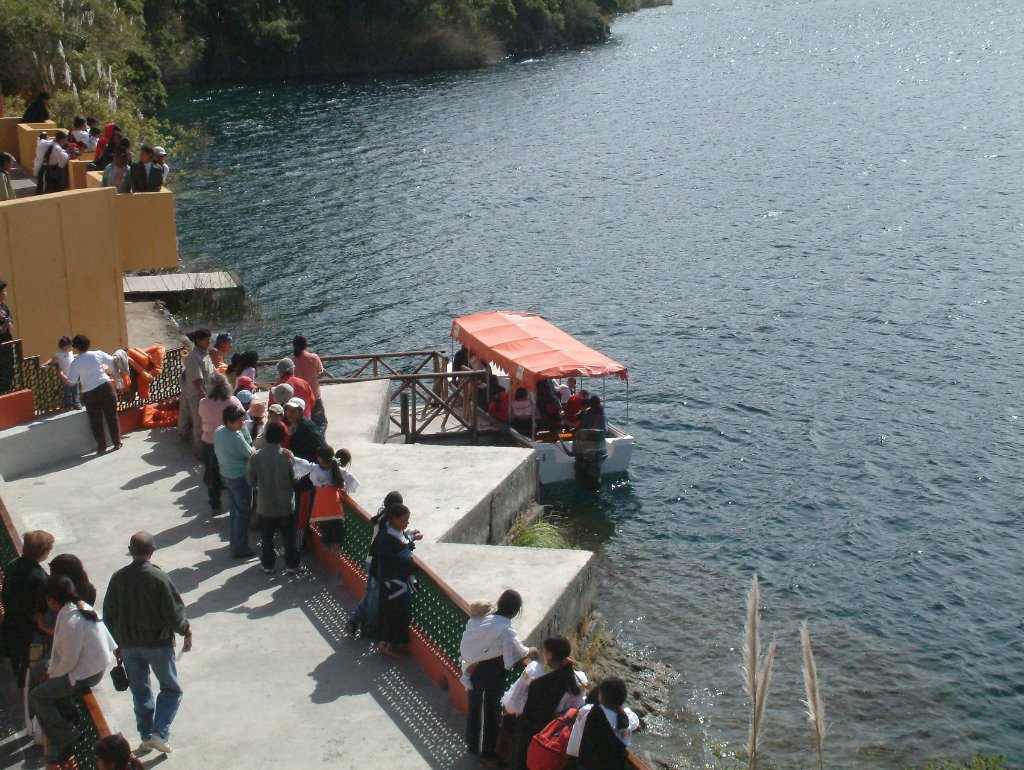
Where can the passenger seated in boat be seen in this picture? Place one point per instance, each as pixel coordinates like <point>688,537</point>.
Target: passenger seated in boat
<point>549,408</point>
<point>574,407</point>
<point>522,412</point>
<point>498,406</point>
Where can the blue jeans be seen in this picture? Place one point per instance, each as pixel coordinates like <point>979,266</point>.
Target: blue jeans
<point>71,400</point>
<point>240,505</point>
<point>365,613</point>
<point>51,700</point>
<point>149,718</point>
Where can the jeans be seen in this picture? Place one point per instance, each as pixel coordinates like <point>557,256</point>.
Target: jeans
<point>212,480</point>
<point>149,718</point>
<point>488,686</point>
<point>71,400</point>
<point>240,505</point>
<point>286,525</point>
<point>365,613</point>
<point>101,405</point>
<point>51,700</point>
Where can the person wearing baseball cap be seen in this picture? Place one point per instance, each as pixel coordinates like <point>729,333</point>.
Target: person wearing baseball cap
<point>159,155</point>
<point>300,388</point>
<point>304,436</point>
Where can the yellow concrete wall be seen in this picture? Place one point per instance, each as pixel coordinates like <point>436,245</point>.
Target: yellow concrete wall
<point>60,255</point>
<point>28,137</point>
<point>77,169</point>
<point>93,179</point>
<point>9,135</point>
<point>147,230</point>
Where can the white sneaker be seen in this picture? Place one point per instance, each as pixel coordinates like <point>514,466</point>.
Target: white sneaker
<point>158,743</point>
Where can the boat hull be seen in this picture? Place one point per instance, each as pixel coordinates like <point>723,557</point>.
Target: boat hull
<point>556,464</point>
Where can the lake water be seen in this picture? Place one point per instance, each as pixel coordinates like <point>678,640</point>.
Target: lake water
<point>800,225</point>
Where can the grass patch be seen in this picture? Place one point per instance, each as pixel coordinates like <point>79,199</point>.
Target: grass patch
<point>540,533</point>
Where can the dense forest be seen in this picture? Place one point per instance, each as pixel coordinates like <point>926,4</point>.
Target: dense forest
<point>111,50</point>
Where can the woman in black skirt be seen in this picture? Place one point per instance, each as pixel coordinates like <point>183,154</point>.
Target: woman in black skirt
<point>394,546</point>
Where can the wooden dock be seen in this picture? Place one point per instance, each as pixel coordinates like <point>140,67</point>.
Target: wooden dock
<point>169,285</point>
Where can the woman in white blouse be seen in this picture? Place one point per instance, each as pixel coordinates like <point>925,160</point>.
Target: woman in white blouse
<point>89,369</point>
<point>82,652</point>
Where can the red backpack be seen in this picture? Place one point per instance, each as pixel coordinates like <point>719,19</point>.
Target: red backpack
<point>547,749</point>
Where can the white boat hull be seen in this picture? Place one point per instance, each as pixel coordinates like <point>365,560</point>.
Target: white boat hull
<point>555,463</point>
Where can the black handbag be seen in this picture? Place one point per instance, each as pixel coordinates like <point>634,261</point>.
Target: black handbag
<point>119,677</point>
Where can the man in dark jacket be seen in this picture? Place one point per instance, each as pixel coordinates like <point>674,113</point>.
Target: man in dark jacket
<point>143,611</point>
<point>38,111</point>
<point>147,174</point>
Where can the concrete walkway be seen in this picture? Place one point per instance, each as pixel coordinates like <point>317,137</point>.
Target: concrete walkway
<point>272,681</point>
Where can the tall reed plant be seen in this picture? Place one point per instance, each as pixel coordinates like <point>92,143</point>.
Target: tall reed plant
<point>757,670</point>
<point>815,703</point>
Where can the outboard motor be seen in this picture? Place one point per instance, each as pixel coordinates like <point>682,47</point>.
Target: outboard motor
<point>589,450</point>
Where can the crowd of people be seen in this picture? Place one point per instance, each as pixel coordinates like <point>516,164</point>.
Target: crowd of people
<point>507,727</point>
<point>269,460</point>
<point>113,154</point>
<point>59,646</point>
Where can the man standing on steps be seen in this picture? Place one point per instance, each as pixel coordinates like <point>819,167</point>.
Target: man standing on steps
<point>198,368</point>
<point>143,611</point>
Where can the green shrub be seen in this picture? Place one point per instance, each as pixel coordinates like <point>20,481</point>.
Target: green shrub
<point>542,533</point>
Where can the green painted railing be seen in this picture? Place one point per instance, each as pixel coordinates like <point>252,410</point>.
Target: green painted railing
<point>17,373</point>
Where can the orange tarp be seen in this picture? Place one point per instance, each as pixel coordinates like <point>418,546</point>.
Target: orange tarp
<point>529,348</point>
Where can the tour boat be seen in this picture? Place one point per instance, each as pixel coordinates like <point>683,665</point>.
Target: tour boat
<point>523,349</point>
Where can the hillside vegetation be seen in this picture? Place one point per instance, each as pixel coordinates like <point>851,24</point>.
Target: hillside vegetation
<point>104,49</point>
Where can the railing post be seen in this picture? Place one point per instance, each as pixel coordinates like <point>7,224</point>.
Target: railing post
<point>473,434</point>
<point>403,399</point>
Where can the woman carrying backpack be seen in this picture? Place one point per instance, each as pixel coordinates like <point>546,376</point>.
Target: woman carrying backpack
<point>539,697</point>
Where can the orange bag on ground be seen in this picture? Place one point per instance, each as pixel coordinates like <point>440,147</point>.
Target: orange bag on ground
<point>157,416</point>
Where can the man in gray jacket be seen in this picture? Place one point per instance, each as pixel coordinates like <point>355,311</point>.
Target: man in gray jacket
<point>270,474</point>
<point>143,611</point>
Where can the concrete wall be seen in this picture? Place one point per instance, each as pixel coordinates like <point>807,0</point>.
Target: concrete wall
<point>77,169</point>
<point>63,256</point>
<point>62,259</point>
<point>28,137</point>
<point>9,135</point>
<point>493,516</point>
<point>37,446</point>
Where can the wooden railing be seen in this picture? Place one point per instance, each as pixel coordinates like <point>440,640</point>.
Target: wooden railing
<point>426,397</point>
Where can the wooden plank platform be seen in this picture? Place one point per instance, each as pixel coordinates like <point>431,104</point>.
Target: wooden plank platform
<point>175,283</point>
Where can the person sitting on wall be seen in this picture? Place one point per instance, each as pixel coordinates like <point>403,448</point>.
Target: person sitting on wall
<point>147,175</point>
<point>95,132</point>
<point>604,728</point>
<point>38,111</point>
<point>80,132</point>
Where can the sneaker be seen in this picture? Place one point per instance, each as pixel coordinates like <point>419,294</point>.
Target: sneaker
<point>158,743</point>
<point>144,747</point>
<point>295,570</point>
<point>267,570</point>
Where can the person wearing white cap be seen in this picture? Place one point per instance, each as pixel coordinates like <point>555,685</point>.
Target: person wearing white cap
<point>159,156</point>
<point>304,436</point>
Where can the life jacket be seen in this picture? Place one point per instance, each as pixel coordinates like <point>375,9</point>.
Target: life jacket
<point>548,747</point>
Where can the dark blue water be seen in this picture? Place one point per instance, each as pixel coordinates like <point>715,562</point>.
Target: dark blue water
<point>800,225</point>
